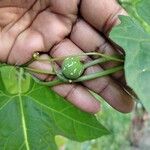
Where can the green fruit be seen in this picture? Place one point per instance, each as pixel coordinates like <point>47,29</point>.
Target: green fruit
<point>72,68</point>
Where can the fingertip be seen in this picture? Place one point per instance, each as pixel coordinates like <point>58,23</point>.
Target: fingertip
<point>95,109</point>
<point>128,108</point>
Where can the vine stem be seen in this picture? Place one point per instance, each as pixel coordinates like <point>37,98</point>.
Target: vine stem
<point>50,83</point>
<point>99,74</point>
<point>108,57</point>
<point>39,71</point>
<point>83,78</point>
<point>103,58</point>
<point>89,64</point>
<point>94,62</point>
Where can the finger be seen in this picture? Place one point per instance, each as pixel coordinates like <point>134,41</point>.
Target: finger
<point>106,87</point>
<point>88,39</point>
<point>39,38</point>
<point>67,7</point>
<point>101,14</point>
<point>15,26</point>
<point>37,29</point>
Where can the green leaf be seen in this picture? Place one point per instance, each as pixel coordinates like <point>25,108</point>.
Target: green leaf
<point>140,10</point>
<point>31,115</point>
<point>135,40</point>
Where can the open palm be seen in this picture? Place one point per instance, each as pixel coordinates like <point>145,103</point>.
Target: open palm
<point>60,28</point>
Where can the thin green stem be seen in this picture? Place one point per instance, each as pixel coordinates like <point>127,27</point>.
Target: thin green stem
<point>99,74</point>
<point>89,64</point>
<point>61,77</point>
<point>103,58</point>
<point>95,62</point>
<point>50,83</point>
<point>83,78</point>
<point>28,63</point>
<point>39,71</point>
<point>108,57</point>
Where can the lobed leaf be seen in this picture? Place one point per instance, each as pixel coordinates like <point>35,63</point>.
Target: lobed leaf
<point>31,115</point>
<point>134,37</point>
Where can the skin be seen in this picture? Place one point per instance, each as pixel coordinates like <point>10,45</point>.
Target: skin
<point>55,28</point>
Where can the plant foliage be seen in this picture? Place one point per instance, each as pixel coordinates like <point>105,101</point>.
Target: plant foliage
<point>31,115</point>
<point>133,35</point>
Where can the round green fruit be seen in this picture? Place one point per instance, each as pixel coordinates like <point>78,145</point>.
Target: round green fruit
<point>72,68</point>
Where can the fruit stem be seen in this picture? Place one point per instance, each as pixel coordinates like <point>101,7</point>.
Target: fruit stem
<point>49,83</point>
<point>39,71</point>
<point>94,62</point>
<point>99,74</point>
<point>83,78</point>
<point>108,57</point>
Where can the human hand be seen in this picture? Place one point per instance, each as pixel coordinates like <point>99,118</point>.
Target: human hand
<point>61,28</point>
